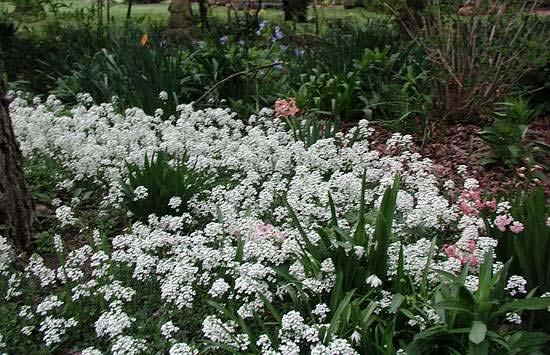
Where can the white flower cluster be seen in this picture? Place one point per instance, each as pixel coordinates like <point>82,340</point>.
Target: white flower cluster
<point>65,216</point>
<point>54,328</point>
<point>516,285</point>
<point>168,330</point>
<point>5,255</point>
<point>113,323</point>
<point>232,258</point>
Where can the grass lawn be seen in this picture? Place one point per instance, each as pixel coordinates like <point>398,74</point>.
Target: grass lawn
<point>159,12</point>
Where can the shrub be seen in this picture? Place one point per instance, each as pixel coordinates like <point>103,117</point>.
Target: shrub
<point>471,318</point>
<point>475,61</point>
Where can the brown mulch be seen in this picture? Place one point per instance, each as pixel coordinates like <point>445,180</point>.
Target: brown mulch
<point>543,11</point>
<point>458,145</point>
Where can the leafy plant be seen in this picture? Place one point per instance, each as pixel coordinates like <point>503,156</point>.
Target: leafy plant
<point>334,95</point>
<point>394,87</point>
<point>248,74</point>
<point>134,73</point>
<point>360,264</point>
<point>336,51</point>
<point>163,177</point>
<point>506,136</point>
<point>310,129</point>
<point>471,321</point>
<point>528,249</point>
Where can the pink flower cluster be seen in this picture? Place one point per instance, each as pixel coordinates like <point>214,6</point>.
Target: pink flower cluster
<point>470,203</point>
<point>465,256</point>
<point>286,108</point>
<point>503,221</point>
<point>267,230</point>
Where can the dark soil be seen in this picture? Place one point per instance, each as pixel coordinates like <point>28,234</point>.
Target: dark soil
<point>458,145</point>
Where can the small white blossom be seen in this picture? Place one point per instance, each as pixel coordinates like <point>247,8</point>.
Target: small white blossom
<point>513,318</point>
<point>175,202</point>
<point>516,285</point>
<point>65,216</point>
<point>140,193</point>
<point>374,281</point>
<point>168,330</point>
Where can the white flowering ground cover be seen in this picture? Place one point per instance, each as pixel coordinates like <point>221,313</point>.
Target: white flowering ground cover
<point>229,275</point>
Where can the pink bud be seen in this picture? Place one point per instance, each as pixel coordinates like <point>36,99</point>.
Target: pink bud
<point>472,245</point>
<point>451,250</point>
<point>502,221</point>
<point>491,204</point>
<point>263,229</point>
<point>517,227</point>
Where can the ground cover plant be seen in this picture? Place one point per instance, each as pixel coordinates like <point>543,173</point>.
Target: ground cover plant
<point>261,262</point>
<point>347,185</point>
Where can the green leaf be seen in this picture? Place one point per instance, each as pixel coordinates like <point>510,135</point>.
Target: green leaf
<point>396,302</point>
<point>455,306</point>
<point>478,332</point>
<point>534,303</point>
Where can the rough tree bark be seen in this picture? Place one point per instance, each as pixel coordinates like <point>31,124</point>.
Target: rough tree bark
<point>16,206</point>
<point>180,22</point>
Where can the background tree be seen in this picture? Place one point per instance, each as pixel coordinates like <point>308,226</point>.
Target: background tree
<point>295,10</point>
<point>180,22</point>
<point>16,206</point>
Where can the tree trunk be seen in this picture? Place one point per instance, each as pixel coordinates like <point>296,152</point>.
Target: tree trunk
<point>16,206</point>
<point>180,22</point>
<point>203,11</point>
<point>295,10</point>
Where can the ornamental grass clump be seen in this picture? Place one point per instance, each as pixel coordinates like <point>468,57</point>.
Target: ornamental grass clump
<point>475,61</point>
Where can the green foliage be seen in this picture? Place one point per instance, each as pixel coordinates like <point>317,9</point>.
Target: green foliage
<point>471,320</point>
<point>336,51</point>
<point>355,255</point>
<point>360,262</point>
<point>530,248</point>
<point>310,129</point>
<point>164,178</point>
<point>506,136</point>
<point>332,95</point>
<point>134,73</point>
<point>394,87</point>
<point>254,80</point>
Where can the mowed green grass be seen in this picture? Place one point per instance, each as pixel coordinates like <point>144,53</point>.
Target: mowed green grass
<point>159,12</point>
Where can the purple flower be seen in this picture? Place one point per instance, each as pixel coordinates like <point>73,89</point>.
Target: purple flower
<point>277,35</point>
<point>223,40</point>
<point>261,27</point>
<point>299,52</point>
<point>278,64</point>
<point>283,48</point>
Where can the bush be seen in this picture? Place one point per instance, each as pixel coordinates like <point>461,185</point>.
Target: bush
<point>476,61</point>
